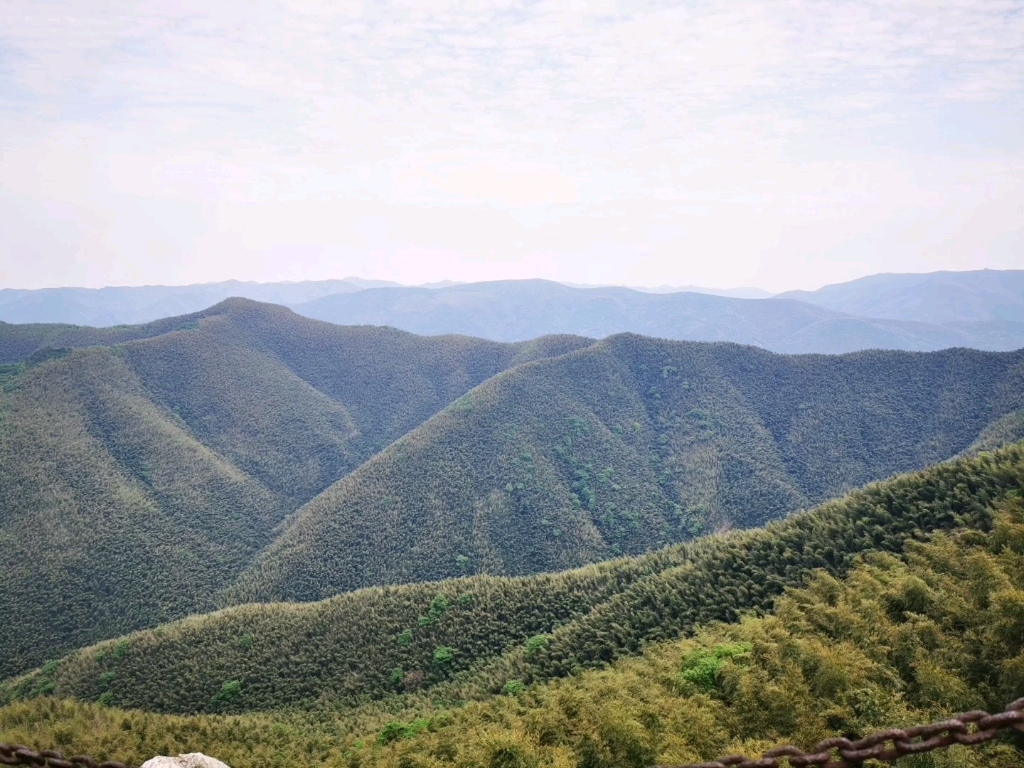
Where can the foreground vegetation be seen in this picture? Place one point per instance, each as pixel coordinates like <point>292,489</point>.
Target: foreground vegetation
<point>467,638</point>
<point>897,642</point>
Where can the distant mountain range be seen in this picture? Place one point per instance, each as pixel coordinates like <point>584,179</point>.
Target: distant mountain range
<point>937,297</point>
<point>520,310</point>
<point>735,293</point>
<point>921,312</point>
<point>105,307</point>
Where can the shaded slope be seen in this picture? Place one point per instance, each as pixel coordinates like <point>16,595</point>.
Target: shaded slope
<point>347,649</point>
<point>113,515</point>
<point>523,309</point>
<point>624,446</point>
<point>138,480</point>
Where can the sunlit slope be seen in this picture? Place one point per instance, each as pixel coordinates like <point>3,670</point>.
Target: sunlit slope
<point>1003,431</point>
<point>625,446</point>
<point>466,638</point>
<point>140,479</point>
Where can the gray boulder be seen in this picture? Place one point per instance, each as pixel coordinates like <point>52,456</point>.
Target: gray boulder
<point>193,760</point>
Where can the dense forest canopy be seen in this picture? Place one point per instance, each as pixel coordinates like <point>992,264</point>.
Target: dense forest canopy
<point>628,445</point>
<point>247,453</point>
<point>347,649</point>
<point>140,479</point>
<point>898,605</point>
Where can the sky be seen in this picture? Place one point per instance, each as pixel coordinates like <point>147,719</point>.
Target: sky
<point>780,145</point>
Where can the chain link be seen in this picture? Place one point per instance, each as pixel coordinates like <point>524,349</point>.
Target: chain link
<point>16,754</point>
<point>968,728</point>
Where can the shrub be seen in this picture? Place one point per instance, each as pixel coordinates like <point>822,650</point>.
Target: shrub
<point>229,691</point>
<point>394,731</point>
<point>535,643</point>
<point>507,753</point>
<point>513,687</point>
<point>391,732</point>
<point>700,668</point>
<point>438,606</point>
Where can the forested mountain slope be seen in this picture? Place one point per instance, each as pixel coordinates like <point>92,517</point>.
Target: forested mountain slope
<point>140,479</point>
<point>625,446</point>
<point>211,460</point>
<point>19,343</point>
<point>512,310</point>
<point>898,642</point>
<point>467,638</point>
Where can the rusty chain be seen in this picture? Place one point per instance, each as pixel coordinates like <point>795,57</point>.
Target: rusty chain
<point>16,754</point>
<point>968,728</point>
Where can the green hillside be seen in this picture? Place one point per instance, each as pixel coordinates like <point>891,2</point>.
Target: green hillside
<point>1004,431</point>
<point>250,454</point>
<point>140,479</point>
<point>625,446</point>
<point>467,637</point>
<point>868,642</point>
<point>19,342</point>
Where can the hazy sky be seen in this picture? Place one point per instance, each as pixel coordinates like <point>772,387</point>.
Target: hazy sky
<point>781,145</point>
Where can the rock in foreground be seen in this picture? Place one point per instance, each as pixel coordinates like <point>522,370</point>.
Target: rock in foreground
<point>192,760</point>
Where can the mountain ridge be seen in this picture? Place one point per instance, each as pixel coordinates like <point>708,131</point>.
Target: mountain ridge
<point>170,471</point>
<point>155,469</point>
<point>125,305</point>
<point>687,440</point>
<point>982,309</point>
<point>516,310</point>
<point>944,297</point>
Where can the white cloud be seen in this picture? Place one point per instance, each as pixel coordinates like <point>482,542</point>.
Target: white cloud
<point>787,143</point>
